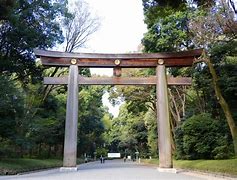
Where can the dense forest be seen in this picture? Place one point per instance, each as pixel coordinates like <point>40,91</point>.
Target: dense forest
<point>203,116</point>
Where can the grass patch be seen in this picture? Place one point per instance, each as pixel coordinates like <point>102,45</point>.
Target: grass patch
<point>15,166</point>
<point>150,161</point>
<point>228,166</point>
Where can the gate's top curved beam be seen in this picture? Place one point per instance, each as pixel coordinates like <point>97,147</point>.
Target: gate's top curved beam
<point>171,59</point>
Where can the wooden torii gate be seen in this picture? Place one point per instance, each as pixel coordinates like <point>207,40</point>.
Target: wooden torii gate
<point>117,61</point>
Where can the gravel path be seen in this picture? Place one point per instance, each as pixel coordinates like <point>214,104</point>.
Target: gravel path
<point>110,170</point>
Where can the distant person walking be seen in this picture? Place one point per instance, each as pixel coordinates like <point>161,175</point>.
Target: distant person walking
<point>102,159</point>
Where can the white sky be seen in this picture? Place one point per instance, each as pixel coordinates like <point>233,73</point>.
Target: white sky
<point>121,28</point>
<point>121,31</point>
<point>122,25</point>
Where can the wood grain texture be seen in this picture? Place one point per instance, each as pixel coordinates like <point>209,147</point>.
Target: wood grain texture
<point>172,59</point>
<point>118,80</point>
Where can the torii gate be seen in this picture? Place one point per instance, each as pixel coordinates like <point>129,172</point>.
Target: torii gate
<point>117,61</point>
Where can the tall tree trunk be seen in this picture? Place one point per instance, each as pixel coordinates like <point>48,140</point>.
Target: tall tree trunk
<point>49,151</point>
<point>39,150</point>
<point>222,102</point>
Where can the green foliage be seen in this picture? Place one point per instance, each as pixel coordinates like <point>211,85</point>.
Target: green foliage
<point>227,167</point>
<point>167,23</point>
<point>107,120</point>
<point>11,108</point>
<point>223,56</point>
<point>7,148</point>
<point>185,26</point>
<point>169,33</point>
<point>90,124</point>
<point>152,135</point>
<point>5,8</point>
<point>162,3</point>
<point>128,133</point>
<point>31,24</point>
<point>101,152</point>
<point>201,137</point>
<point>15,166</point>
<point>31,127</point>
<point>32,117</point>
<point>138,98</point>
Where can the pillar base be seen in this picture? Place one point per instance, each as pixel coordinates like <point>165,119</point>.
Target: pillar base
<point>168,170</point>
<point>68,169</point>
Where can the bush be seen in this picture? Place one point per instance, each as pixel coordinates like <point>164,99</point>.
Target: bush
<point>201,137</point>
<point>101,152</point>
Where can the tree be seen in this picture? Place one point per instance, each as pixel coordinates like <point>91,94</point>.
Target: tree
<point>30,124</point>
<point>90,124</point>
<point>135,96</point>
<point>224,105</point>
<point>220,29</point>
<point>128,133</point>
<point>201,137</point>
<point>185,27</point>
<point>28,25</point>
<point>46,128</point>
<point>5,9</point>
<point>79,26</point>
<point>169,33</point>
<point>152,135</point>
<point>11,101</point>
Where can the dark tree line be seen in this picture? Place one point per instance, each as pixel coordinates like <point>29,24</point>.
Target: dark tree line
<point>31,117</point>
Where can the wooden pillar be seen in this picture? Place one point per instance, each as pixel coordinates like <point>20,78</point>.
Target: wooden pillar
<point>163,118</point>
<point>70,141</point>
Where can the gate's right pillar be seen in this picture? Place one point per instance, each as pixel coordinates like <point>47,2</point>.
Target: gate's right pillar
<point>163,117</point>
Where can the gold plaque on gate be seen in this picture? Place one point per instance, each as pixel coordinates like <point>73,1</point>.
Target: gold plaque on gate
<point>117,62</point>
<point>160,61</point>
<point>73,61</point>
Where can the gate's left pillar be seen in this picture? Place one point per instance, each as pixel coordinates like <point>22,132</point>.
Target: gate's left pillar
<point>70,141</point>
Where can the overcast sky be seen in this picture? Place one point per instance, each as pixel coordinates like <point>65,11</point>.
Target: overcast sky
<point>121,30</point>
<point>122,25</point>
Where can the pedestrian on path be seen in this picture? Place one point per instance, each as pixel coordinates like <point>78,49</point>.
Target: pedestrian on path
<point>101,159</point>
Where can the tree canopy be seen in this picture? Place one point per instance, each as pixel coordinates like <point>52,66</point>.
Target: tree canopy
<point>32,117</point>
<point>177,26</point>
<point>28,25</point>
